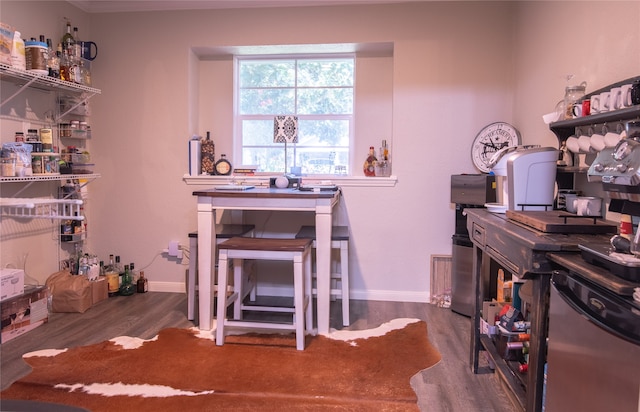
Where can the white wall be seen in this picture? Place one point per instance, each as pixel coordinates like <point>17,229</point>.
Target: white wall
<point>456,67</point>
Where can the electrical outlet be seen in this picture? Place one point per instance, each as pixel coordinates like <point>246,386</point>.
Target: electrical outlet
<point>174,246</point>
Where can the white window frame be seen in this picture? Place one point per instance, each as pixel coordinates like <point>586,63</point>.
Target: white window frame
<point>292,148</point>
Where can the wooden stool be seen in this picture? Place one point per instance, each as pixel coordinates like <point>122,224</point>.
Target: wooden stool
<point>339,240</point>
<point>223,232</point>
<point>298,251</point>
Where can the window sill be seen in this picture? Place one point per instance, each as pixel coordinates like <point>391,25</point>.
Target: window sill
<point>263,180</point>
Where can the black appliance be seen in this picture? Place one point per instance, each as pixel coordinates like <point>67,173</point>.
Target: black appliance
<point>467,191</point>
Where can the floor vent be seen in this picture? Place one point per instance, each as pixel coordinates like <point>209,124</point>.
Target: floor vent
<point>441,280</point>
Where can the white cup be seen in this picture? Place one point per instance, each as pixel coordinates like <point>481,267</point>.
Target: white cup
<point>572,144</point>
<point>615,99</point>
<point>597,142</point>
<point>611,139</point>
<point>576,110</point>
<point>571,202</point>
<point>584,142</point>
<point>604,102</point>
<point>625,96</point>
<point>595,104</point>
<point>588,206</point>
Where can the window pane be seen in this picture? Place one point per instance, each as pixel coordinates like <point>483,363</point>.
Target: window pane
<point>267,73</point>
<point>325,101</point>
<point>257,133</point>
<point>319,73</point>
<point>267,101</point>
<point>328,133</point>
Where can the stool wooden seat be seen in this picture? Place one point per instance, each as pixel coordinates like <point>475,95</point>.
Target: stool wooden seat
<point>339,240</point>
<point>298,251</point>
<point>223,232</point>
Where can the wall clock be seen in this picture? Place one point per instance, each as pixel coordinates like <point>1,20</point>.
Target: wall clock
<point>223,166</point>
<point>489,140</point>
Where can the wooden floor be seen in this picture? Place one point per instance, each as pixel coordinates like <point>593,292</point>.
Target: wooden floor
<point>447,386</point>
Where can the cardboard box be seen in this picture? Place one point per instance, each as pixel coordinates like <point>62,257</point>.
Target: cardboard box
<point>11,283</point>
<point>23,313</point>
<point>99,290</point>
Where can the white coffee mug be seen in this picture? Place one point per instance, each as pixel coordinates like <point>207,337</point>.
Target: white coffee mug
<point>595,104</point>
<point>588,206</point>
<point>614,98</point>
<point>597,142</point>
<point>611,139</point>
<point>571,202</point>
<point>577,110</point>
<point>572,144</point>
<point>604,102</point>
<point>584,142</point>
<point>625,96</point>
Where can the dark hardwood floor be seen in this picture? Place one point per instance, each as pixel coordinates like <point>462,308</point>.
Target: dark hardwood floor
<point>447,386</point>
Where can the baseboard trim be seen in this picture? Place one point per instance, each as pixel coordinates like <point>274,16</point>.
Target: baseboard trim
<point>380,295</point>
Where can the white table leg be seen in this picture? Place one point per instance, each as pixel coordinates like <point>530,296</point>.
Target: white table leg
<point>206,262</point>
<point>323,266</point>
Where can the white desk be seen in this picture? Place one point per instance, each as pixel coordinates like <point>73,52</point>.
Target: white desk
<point>209,201</point>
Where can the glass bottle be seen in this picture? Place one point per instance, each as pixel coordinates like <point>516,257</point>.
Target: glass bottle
<point>54,61</point>
<point>369,166</point>
<point>77,44</point>
<point>113,277</point>
<point>127,288</point>
<point>143,284</point>
<point>67,40</point>
<point>134,273</point>
<point>65,67</point>
<point>120,269</point>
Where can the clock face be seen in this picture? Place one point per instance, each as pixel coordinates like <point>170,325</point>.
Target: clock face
<point>489,140</point>
<point>223,167</point>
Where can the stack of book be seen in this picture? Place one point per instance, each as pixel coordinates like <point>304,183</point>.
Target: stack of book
<point>245,170</point>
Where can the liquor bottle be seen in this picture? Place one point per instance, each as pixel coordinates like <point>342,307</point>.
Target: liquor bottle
<point>127,288</point>
<point>134,273</point>
<point>120,270</point>
<point>65,67</point>
<point>384,164</point>
<point>143,284</point>
<point>113,277</point>
<point>369,166</point>
<point>54,61</point>
<point>77,44</point>
<point>67,40</point>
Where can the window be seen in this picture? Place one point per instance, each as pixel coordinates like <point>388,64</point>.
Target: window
<point>319,90</point>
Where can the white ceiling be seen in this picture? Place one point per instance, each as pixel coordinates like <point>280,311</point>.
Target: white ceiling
<point>112,6</point>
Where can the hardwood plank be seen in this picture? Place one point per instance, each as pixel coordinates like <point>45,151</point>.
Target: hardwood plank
<point>447,386</point>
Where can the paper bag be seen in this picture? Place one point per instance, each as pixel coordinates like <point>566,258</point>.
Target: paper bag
<point>69,293</point>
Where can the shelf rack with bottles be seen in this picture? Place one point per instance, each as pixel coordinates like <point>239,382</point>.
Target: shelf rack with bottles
<point>27,79</point>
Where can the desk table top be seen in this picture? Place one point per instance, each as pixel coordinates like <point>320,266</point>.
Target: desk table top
<point>269,193</point>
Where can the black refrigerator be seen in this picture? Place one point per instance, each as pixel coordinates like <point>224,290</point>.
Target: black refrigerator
<point>467,191</point>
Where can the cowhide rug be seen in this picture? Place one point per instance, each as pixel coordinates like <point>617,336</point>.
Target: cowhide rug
<point>184,370</point>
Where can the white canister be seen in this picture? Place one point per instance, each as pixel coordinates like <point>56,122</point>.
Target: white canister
<point>17,52</point>
<point>36,55</point>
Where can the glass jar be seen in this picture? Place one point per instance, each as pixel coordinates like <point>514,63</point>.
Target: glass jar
<point>573,95</point>
<point>8,166</point>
